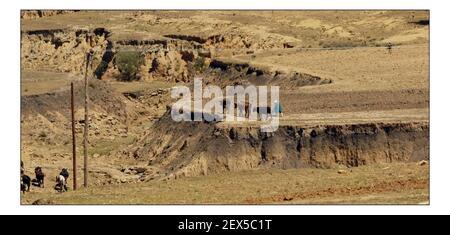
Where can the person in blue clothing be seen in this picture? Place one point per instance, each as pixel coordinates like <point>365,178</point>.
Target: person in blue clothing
<point>277,109</point>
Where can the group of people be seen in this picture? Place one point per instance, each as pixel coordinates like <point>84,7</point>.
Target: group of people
<point>26,182</point>
<point>263,113</point>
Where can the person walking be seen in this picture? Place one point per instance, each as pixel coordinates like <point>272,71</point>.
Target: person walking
<point>278,109</point>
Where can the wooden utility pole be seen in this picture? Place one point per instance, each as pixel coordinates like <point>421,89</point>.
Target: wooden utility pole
<point>74,148</point>
<point>86,120</point>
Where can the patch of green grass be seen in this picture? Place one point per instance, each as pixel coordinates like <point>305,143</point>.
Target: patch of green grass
<point>199,63</point>
<point>128,63</point>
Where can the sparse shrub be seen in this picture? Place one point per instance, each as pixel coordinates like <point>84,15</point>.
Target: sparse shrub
<point>199,63</point>
<point>128,63</point>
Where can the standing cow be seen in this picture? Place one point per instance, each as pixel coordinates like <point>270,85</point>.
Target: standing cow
<point>264,113</point>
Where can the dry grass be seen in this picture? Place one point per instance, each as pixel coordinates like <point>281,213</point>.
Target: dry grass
<point>40,82</point>
<point>352,70</point>
<point>396,183</point>
<point>140,86</point>
<point>312,28</point>
<point>359,69</point>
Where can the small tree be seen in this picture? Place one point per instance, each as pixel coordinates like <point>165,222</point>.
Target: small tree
<point>128,63</point>
<point>199,63</point>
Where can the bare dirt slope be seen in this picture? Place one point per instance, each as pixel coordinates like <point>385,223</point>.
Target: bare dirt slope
<point>348,101</point>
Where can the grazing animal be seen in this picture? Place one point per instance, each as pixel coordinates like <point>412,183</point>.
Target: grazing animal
<point>263,112</point>
<point>39,177</point>
<point>25,183</point>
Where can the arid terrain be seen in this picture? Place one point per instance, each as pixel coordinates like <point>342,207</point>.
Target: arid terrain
<point>354,86</point>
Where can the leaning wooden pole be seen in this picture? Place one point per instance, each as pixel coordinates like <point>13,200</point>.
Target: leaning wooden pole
<point>86,121</point>
<point>74,148</point>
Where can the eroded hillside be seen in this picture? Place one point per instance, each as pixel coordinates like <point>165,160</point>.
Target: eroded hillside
<point>349,100</point>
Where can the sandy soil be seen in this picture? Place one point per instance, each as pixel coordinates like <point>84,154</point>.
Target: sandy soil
<point>365,84</point>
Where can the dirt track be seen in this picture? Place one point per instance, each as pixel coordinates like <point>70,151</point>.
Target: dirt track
<point>335,102</point>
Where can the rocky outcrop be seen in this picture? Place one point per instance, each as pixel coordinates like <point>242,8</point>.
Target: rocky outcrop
<point>234,42</point>
<point>62,50</point>
<point>174,58</point>
<point>239,40</point>
<point>165,65</point>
